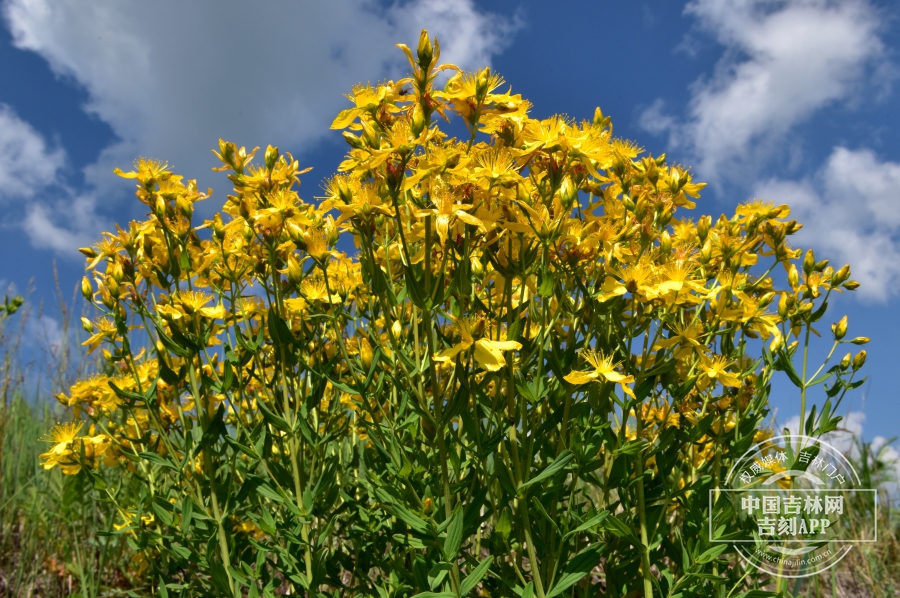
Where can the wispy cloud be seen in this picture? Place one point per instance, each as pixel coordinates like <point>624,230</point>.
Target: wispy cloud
<point>170,77</point>
<point>850,210</point>
<point>782,62</point>
<point>29,163</point>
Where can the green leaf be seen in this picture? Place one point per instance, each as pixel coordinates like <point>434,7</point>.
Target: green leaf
<point>270,493</point>
<point>558,464</point>
<point>472,579</point>
<point>577,568</point>
<point>157,460</point>
<point>712,553</point>
<point>212,432</point>
<point>171,345</point>
<point>271,418</point>
<point>220,578</point>
<point>592,522</point>
<point>454,536</point>
<point>617,527</point>
<point>279,331</point>
<point>632,447</point>
<point>187,509</point>
<point>402,513</point>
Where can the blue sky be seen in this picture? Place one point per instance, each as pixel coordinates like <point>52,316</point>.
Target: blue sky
<point>795,101</point>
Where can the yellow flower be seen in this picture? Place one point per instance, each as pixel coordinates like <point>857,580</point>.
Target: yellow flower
<point>104,328</point>
<point>715,369</point>
<point>317,291</point>
<point>68,447</point>
<point>488,353</point>
<point>188,303</point>
<point>604,370</point>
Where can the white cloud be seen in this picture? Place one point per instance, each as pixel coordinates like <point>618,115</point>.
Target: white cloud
<point>850,212</point>
<point>171,78</point>
<point>783,61</point>
<point>29,164</point>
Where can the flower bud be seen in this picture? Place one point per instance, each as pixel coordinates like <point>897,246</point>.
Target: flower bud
<point>600,121</point>
<point>706,252</point>
<point>477,267</point>
<point>294,271</point>
<point>809,262</point>
<point>87,325</point>
<point>86,289</point>
<point>839,329</point>
<point>425,51</point>
<point>784,304</point>
<point>354,141</point>
<point>651,172</point>
<point>185,206</point>
<point>777,343</point>
<point>417,123</point>
<point>482,82</point>
<point>271,157</point>
<point>343,188</point>
<point>218,228</point>
<point>851,285</point>
<point>295,233</point>
<point>89,252</point>
<point>567,193</point>
<point>841,275</point>
<point>113,285</point>
<point>845,362</point>
<point>860,340</point>
<point>703,227</point>
<point>859,360</point>
<point>793,276</point>
<point>665,243</point>
<point>365,353</point>
<point>115,270</point>
<point>428,505</point>
<point>159,207</point>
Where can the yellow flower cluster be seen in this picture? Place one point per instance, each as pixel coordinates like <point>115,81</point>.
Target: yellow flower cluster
<point>486,269</point>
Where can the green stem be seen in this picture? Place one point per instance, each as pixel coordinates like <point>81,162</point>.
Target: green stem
<point>642,516</point>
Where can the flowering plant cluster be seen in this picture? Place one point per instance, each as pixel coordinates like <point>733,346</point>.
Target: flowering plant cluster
<point>524,382</point>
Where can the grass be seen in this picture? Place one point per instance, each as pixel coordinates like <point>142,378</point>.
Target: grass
<point>49,540</point>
